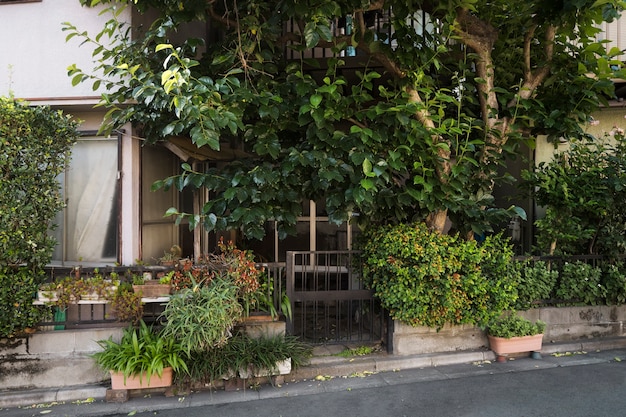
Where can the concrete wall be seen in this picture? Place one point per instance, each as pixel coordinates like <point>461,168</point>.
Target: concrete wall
<point>61,358</point>
<point>52,359</point>
<point>55,359</point>
<point>564,324</point>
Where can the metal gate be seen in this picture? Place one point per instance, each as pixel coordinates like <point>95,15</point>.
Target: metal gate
<point>328,300</point>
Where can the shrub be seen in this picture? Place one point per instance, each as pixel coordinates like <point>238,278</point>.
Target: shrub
<point>583,193</point>
<point>515,326</point>
<point>580,283</point>
<point>614,279</point>
<point>425,278</point>
<point>34,144</point>
<point>202,317</point>
<point>17,312</point>
<point>243,352</point>
<point>537,282</point>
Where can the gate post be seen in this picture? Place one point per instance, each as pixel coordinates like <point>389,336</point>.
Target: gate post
<point>290,278</point>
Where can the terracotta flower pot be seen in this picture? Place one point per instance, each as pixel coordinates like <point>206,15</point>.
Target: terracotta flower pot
<point>136,382</point>
<point>501,345</point>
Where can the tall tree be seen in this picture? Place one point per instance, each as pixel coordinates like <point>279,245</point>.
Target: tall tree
<point>397,110</point>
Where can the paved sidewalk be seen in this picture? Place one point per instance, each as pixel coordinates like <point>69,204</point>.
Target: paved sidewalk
<point>326,373</point>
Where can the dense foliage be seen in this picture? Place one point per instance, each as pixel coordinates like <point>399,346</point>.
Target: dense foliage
<point>536,282</point>
<point>406,117</point>
<point>515,326</point>
<point>202,317</point>
<point>34,143</point>
<point>426,278</point>
<point>570,283</point>
<point>142,351</point>
<point>583,190</point>
<point>243,355</point>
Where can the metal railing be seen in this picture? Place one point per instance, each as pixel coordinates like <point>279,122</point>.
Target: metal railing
<point>329,301</point>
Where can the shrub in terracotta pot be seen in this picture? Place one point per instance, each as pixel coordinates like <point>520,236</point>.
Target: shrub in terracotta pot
<point>144,358</point>
<point>515,334</point>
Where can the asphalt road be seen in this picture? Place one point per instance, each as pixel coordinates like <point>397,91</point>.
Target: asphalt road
<point>597,390</point>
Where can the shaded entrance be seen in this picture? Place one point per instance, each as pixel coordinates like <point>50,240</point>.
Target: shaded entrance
<point>329,302</point>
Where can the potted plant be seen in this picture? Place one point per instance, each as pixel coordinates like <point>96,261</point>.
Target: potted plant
<point>95,288</point>
<point>202,317</point>
<point>69,291</point>
<point>514,334</point>
<point>170,257</point>
<point>239,267</point>
<point>150,288</point>
<point>126,304</point>
<point>48,292</point>
<point>247,357</point>
<point>144,358</point>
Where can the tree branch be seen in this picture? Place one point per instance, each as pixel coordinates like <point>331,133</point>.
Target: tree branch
<point>229,23</point>
<point>481,37</point>
<point>532,80</point>
<point>379,56</point>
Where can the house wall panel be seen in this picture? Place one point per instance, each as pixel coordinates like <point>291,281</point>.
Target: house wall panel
<point>33,64</point>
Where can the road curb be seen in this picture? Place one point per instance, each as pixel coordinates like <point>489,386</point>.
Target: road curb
<point>321,367</point>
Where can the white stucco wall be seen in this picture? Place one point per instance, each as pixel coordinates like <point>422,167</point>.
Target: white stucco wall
<point>34,55</point>
<point>606,120</point>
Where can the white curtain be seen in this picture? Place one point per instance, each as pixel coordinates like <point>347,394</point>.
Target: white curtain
<point>91,212</point>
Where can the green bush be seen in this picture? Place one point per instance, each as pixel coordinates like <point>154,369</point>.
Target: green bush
<point>34,143</point>
<point>515,326</point>
<point>140,350</point>
<point>203,316</point>
<point>614,279</point>
<point>537,282</point>
<point>582,189</point>
<point>17,288</point>
<point>243,352</point>
<point>425,278</point>
<point>580,283</point>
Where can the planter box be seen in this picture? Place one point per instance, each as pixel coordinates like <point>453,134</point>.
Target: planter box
<point>152,290</point>
<point>501,345</point>
<point>282,368</point>
<point>47,296</point>
<point>137,382</point>
<point>92,296</point>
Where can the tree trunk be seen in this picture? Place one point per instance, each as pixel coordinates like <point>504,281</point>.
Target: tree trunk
<point>436,221</point>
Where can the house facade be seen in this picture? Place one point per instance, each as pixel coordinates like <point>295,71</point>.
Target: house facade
<point>112,216</point>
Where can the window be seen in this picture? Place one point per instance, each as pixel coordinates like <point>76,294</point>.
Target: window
<point>315,233</point>
<point>87,229</point>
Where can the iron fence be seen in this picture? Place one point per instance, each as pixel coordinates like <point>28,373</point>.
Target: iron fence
<point>329,301</point>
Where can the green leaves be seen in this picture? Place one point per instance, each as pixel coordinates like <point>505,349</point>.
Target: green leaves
<point>141,350</point>
<point>425,278</point>
<point>582,190</point>
<point>35,144</point>
<point>396,132</point>
<point>202,317</point>
<point>515,326</point>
